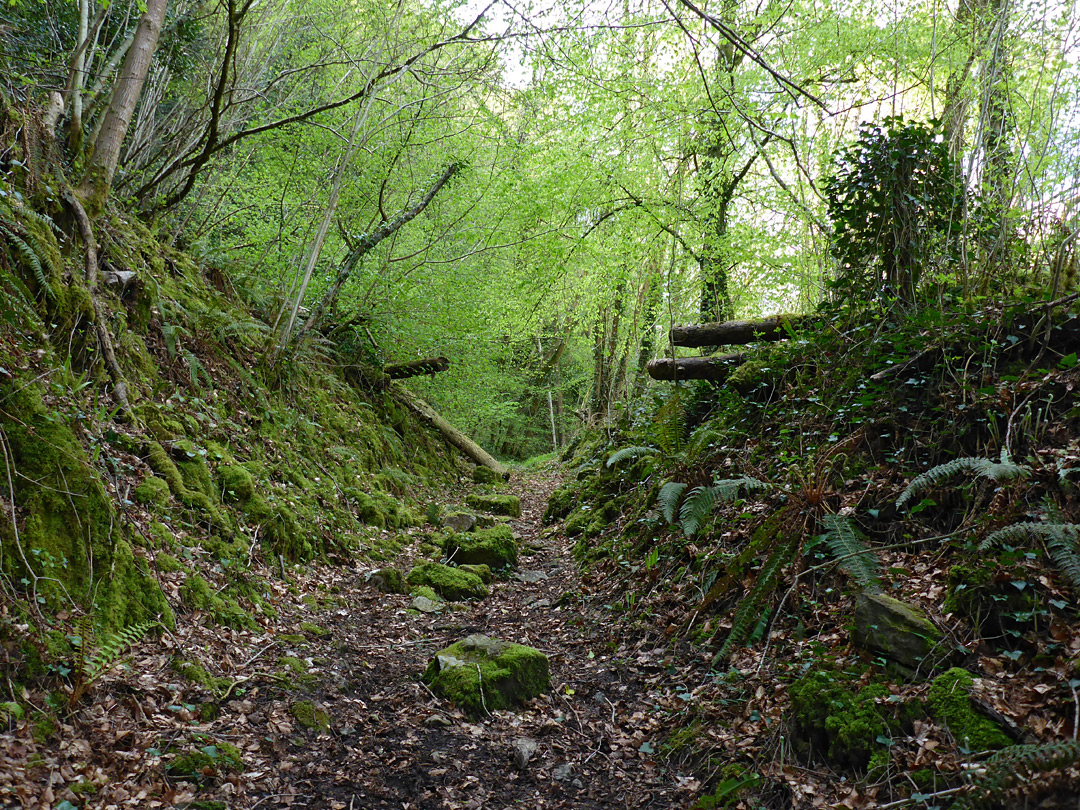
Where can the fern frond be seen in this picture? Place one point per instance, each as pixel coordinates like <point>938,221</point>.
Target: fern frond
<point>629,452</point>
<point>113,647</point>
<point>669,424</point>
<point>697,506</point>
<point>1004,470</point>
<point>27,254</point>
<point>668,499</point>
<point>852,554</point>
<point>1062,542</point>
<point>728,489</point>
<point>1014,765</point>
<point>748,612</point>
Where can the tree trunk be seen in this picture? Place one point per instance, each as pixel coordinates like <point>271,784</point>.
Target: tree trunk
<point>429,365</point>
<point>716,369</point>
<point>730,333</point>
<point>101,168</point>
<point>451,433</point>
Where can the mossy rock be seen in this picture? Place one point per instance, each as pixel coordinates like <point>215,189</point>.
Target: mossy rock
<point>485,475</point>
<point>237,485</point>
<point>209,760</point>
<point>480,675</point>
<point>561,503</point>
<point>388,580</point>
<point>459,521</point>
<point>753,377</point>
<point>578,522</point>
<point>198,675</point>
<point>838,722</point>
<point>494,547</point>
<point>899,631</point>
<point>153,491</point>
<point>308,715</point>
<point>482,571</point>
<point>949,702</point>
<point>451,584</point>
<point>496,504</point>
<point>425,591</point>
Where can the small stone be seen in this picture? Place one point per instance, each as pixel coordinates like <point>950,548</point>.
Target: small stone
<point>438,721</point>
<point>600,698</point>
<point>425,605</point>
<point>561,771</point>
<point>540,603</point>
<point>524,748</point>
<point>459,521</point>
<point>530,577</point>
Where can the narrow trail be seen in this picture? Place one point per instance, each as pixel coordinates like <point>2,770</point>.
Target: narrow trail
<point>394,744</point>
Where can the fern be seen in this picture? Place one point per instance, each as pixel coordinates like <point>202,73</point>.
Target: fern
<point>669,424</point>
<point>27,254</point>
<point>748,613</point>
<point>854,558</point>
<point>1004,470</point>
<point>1013,766</point>
<point>629,452</point>
<point>728,489</point>
<point>1062,542</point>
<point>668,499</point>
<point>697,506</point>
<point>88,668</point>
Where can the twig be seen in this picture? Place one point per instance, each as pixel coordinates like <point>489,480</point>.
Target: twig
<point>480,686</point>
<point>1076,712</point>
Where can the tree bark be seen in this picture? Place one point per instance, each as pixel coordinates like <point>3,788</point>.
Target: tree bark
<point>716,369</point>
<point>429,365</point>
<point>451,433</point>
<point>101,168</point>
<point>730,333</point>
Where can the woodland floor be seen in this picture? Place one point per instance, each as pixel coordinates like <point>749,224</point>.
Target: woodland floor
<point>391,743</point>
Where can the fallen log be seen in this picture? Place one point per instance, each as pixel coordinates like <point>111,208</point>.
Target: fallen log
<point>451,433</point>
<point>429,365</point>
<point>716,369</point>
<point>730,333</point>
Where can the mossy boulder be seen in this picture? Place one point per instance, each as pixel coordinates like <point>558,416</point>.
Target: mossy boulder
<point>839,722</point>
<point>949,702</point>
<point>237,485</point>
<point>153,491</point>
<point>496,504</point>
<point>480,675</point>
<point>561,503</point>
<point>753,376</point>
<point>388,580</point>
<point>483,571</point>
<point>494,547</point>
<point>899,631</point>
<point>485,475</point>
<point>451,584</point>
<point>459,521</point>
<point>197,594</point>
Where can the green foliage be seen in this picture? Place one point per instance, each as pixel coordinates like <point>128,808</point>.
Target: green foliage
<point>629,452</point>
<point>748,617</point>
<point>668,499</point>
<point>701,500</point>
<point>846,544</point>
<point>1000,471</point>
<point>1062,542</point>
<point>90,665</point>
<point>894,199</point>
<point>669,423</point>
<point>1013,766</point>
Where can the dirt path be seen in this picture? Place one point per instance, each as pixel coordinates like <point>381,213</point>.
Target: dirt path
<point>393,744</point>
<point>229,704</point>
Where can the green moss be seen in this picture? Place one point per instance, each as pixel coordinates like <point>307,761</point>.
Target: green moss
<point>840,723</point>
<point>482,571</point>
<point>209,760</point>
<point>751,376</point>
<point>451,584</point>
<point>496,504</point>
<point>308,715</point>
<point>314,629</point>
<point>152,491</point>
<point>198,675</point>
<point>485,475</point>
<point>481,675</point>
<point>168,564</point>
<point>83,788</point>
<point>494,547</point>
<point>949,702</point>
<point>71,534</point>
<point>389,580</point>
<point>43,728</point>
<point>427,592</point>
<point>196,594</point>
<point>561,503</point>
<point>578,521</point>
<point>164,467</point>
<point>291,662</point>
<point>237,485</point>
